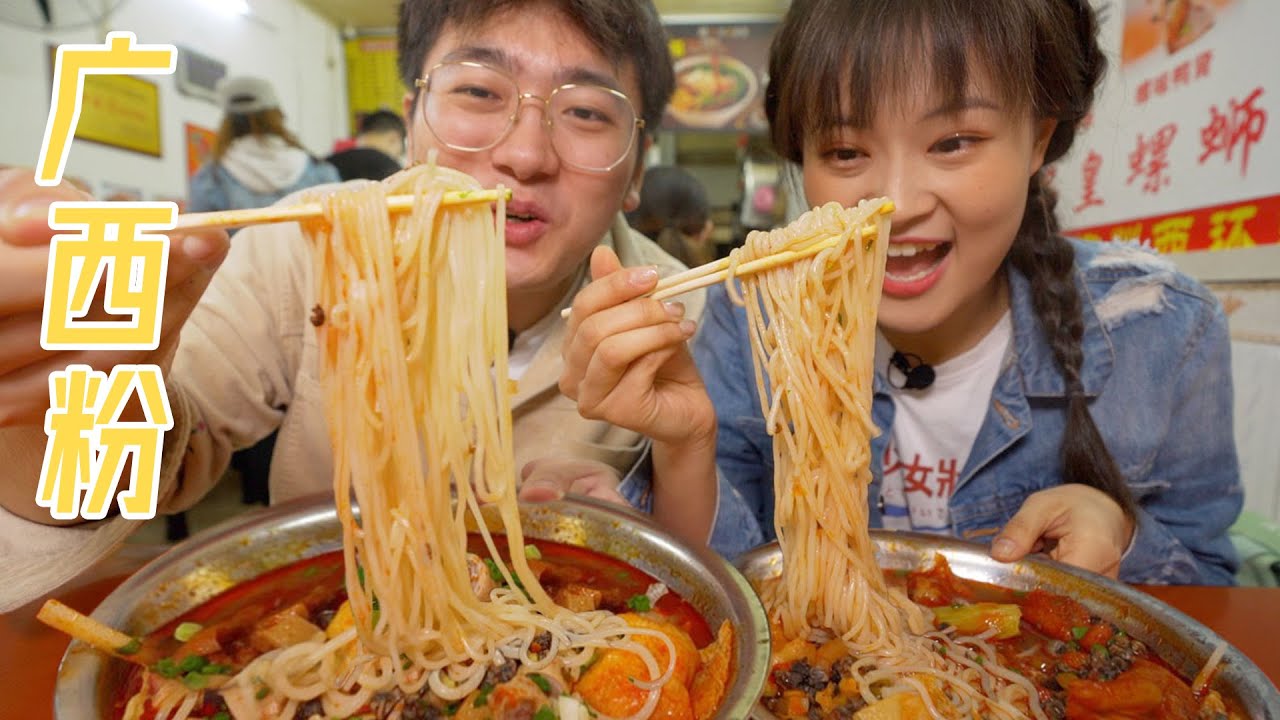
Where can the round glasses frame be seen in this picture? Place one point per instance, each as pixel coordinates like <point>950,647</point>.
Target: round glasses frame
<point>422,85</point>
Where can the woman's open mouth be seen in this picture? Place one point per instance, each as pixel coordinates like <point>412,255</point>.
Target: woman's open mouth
<point>913,267</point>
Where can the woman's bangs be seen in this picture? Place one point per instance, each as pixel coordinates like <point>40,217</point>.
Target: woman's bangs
<point>881,48</point>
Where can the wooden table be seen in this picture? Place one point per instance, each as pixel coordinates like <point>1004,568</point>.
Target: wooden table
<point>1248,618</point>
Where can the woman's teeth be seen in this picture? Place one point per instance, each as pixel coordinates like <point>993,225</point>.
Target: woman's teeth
<point>910,249</point>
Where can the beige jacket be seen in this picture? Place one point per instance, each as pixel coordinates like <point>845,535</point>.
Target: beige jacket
<point>247,365</point>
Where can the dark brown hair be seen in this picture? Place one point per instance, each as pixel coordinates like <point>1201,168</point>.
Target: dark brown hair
<point>833,61</point>
<point>623,31</point>
<point>265,122</point>
<point>673,203</point>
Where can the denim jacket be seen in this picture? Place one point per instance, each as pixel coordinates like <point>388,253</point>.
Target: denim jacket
<point>213,188</point>
<point>1157,372</point>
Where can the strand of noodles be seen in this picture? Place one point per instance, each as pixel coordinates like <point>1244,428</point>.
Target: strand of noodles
<point>810,308</point>
<point>419,414</point>
<point>403,554</point>
<point>396,355</point>
<point>1205,676</point>
<point>812,327</point>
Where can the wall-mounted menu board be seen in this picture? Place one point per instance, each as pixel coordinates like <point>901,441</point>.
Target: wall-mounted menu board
<point>373,82</point>
<point>721,66</point>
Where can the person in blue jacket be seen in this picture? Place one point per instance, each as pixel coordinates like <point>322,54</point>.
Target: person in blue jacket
<point>256,160</point>
<point>1033,392</point>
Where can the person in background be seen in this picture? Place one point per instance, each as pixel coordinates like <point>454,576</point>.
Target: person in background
<point>378,151</point>
<point>256,160</point>
<point>674,213</point>
<point>1078,399</point>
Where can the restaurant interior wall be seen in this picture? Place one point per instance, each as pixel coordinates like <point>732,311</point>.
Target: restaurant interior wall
<point>1146,92</point>
<point>283,41</point>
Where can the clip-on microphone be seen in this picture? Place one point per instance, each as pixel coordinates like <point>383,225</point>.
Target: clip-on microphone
<point>916,374</point>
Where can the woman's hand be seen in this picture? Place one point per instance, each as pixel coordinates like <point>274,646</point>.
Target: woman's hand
<point>626,360</point>
<point>552,478</point>
<point>1077,525</point>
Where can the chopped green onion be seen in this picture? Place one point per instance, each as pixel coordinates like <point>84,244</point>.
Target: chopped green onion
<point>262,692</point>
<point>1079,631</point>
<point>495,573</point>
<point>195,680</point>
<point>545,713</point>
<point>186,631</point>
<point>222,715</point>
<point>979,659</point>
<point>377,611</point>
<point>130,647</point>
<point>216,669</point>
<point>543,684</point>
<point>640,603</point>
<point>451,709</point>
<point>360,574</point>
<point>193,663</point>
<point>166,667</point>
<point>311,571</point>
<point>532,552</point>
<point>482,698</point>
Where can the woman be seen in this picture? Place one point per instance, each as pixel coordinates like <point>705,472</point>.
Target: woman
<point>1080,395</point>
<point>256,161</point>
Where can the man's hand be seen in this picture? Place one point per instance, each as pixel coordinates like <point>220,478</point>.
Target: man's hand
<point>25,366</point>
<point>552,478</point>
<point>24,261</point>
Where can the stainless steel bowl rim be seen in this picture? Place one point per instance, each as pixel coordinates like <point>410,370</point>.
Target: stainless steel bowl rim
<point>1179,639</point>
<point>191,572</point>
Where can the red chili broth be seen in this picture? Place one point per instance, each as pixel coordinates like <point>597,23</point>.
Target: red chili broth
<point>285,586</point>
<point>615,578</point>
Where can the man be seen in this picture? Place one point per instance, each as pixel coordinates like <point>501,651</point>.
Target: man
<point>247,360</point>
<point>378,150</point>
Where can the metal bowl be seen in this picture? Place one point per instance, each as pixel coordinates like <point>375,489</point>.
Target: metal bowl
<point>243,548</point>
<point>1182,642</point>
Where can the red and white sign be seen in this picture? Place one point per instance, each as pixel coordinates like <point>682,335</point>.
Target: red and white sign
<point>1183,148</point>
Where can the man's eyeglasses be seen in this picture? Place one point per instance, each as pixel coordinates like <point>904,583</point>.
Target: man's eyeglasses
<point>472,107</point>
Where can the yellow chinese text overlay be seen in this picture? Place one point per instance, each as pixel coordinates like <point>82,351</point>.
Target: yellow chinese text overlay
<point>90,441</point>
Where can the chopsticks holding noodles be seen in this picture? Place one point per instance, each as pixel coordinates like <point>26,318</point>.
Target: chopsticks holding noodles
<point>717,271</point>
<point>305,211</point>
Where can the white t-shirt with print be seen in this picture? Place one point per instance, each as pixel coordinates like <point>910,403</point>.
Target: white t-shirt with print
<point>934,429</point>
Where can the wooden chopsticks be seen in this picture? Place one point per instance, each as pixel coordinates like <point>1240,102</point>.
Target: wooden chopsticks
<point>717,271</point>
<point>304,211</point>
